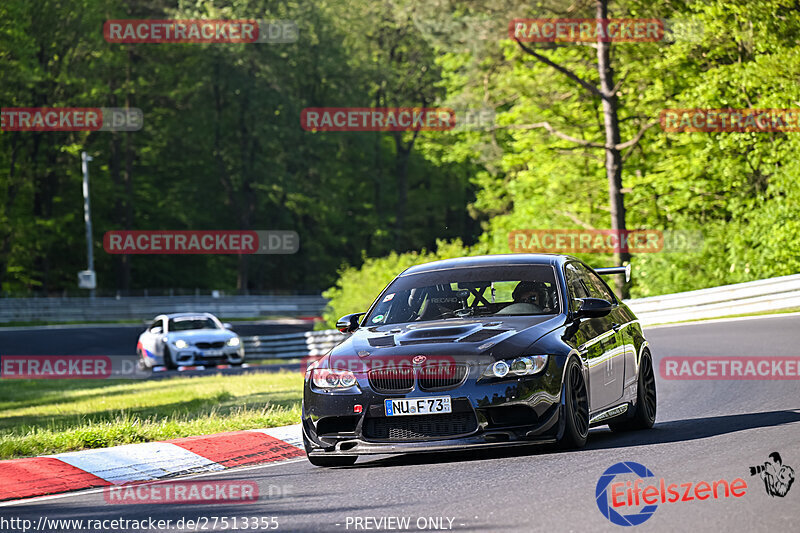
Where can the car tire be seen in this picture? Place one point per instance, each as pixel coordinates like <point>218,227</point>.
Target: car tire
<point>576,401</point>
<point>342,460</point>
<point>644,416</point>
<point>168,362</point>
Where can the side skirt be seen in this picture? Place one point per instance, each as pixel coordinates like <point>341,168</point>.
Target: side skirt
<point>606,415</point>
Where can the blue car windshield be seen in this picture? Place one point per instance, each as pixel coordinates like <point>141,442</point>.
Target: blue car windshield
<point>468,292</point>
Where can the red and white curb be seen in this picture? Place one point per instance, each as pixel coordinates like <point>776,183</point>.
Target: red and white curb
<point>149,461</point>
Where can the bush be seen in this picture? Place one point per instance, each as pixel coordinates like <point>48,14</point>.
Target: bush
<point>357,288</point>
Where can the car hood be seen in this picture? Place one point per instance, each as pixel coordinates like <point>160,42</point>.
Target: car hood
<point>498,337</point>
<point>201,335</point>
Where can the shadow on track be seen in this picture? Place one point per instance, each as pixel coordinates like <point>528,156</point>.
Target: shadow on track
<point>691,429</point>
<point>661,433</point>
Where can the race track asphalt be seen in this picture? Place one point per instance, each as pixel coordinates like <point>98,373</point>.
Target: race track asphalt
<point>705,431</point>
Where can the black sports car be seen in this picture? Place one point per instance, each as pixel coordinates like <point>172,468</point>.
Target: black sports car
<point>479,351</point>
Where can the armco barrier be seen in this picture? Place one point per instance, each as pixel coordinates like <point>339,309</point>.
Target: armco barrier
<point>741,298</point>
<point>145,308</point>
<point>292,345</point>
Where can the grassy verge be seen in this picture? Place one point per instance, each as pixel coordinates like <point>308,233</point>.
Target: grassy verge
<point>51,416</point>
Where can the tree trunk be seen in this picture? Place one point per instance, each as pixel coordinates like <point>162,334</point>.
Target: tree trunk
<point>401,178</point>
<point>613,155</point>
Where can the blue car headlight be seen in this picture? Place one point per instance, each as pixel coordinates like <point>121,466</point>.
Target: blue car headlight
<point>181,344</point>
<point>233,341</point>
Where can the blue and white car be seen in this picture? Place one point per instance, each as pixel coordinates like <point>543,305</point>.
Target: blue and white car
<point>189,339</point>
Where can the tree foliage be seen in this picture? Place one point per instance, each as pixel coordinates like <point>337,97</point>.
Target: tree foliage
<point>222,146</point>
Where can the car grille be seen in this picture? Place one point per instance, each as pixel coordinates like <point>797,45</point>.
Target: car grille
<point>396,379</point>
<point>207,345</point>
<point>441,376</point>
<point>407,428</point>
<point>430,377</point>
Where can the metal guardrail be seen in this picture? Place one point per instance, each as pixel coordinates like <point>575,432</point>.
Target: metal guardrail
<point>741,298</point>
<point>145,308</point>
<point>292,345</point>
<point>750,297</point>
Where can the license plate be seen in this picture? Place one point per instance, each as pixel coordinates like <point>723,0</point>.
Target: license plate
<point>212,353</point>
<point>418,406</point>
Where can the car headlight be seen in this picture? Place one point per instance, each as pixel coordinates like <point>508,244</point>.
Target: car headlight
<point>327,379</point>
<point>233,341</point>
<point>521,366</point>
<point>180,343</point>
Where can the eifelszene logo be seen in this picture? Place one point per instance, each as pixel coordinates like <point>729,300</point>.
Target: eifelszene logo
<point>778,477</point>
<point>631,493</point>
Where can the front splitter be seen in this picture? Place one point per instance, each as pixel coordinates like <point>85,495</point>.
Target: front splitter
<point>357,447</point>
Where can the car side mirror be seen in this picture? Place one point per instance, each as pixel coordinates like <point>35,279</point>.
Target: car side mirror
<point>348,323</point>
<point>227,325</point>
<point>156,330</point>
<point>592,308</point>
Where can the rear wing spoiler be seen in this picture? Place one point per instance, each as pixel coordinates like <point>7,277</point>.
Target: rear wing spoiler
<point>615,270</point>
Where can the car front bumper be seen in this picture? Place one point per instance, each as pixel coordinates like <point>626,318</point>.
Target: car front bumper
<point>507,412</point>
<point>197,357</point>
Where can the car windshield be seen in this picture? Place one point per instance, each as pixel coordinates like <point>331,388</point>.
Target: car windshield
<point>468,292</point>
<point>193,322</point>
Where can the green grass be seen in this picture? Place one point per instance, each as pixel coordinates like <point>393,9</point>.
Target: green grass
<point>50,416</point>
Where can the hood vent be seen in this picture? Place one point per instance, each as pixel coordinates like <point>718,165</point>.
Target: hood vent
<point>425,341</point>
<point>482,335</point>
<point>379,342</point>
<point>426,333</point>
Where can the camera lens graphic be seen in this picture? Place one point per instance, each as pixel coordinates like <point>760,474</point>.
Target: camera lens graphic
<point>604,500</point>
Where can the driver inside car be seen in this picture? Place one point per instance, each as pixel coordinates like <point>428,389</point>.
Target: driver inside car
<point>532,293</point>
